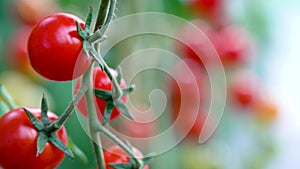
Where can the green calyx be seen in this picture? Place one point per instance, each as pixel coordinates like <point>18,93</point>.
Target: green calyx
<point>45,135</point>
<point>112,103</point>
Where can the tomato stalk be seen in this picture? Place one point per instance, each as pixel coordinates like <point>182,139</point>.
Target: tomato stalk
<point>92,118</point>
<point>7,98</point>
<point>139,164</point>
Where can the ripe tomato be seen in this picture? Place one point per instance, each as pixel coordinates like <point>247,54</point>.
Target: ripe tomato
<point>184,100</point>
<point>212,10</point>
<point>55,48</point>
<point>195,44</point>
<point>18,140</point>
<point>115,154</point>
<point>244,89</point>
<point>232,44</point>
<point>102,82</point>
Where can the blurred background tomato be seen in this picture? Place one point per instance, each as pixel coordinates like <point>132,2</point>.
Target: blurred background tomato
<point>256,42</point>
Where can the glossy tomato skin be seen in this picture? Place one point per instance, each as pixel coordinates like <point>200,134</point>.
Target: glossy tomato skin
<point>55,48</point>
<point>102,82</point>
<point>18,139</point>
<point>115,154</point>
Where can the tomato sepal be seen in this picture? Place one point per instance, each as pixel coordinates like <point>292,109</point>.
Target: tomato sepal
<point>121,165</point>
<point>111,103</point>
<point>45,135</point>
<point>108,111</point>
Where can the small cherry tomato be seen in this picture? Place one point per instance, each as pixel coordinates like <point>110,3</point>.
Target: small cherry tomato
<point>233,45</point>
<point>102,82</point>
<point>115,154</point>
<point>197,42</point>
<point>186,108</point>
<point>244,89</point>
<point>55,48</point>
<point>18,141</point>
<point>212,10</point>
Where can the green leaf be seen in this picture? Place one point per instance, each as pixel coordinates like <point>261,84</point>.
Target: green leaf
<point>41,142</point>
<point>123,109</point>
<point>107,111</point>
<point>103,94</point>
<point>60,145</point>
<point>121,165</point>
<point>3,109</point>
<point>44,107</point>
<point>77,151</point>
<point>88,20</point>
<point>36,123</point>
<point>128,90</point>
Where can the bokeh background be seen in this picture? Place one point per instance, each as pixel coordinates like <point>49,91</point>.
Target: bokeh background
<point>263,136</point>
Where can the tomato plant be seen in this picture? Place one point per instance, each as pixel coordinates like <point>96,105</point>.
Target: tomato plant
<point>100,81</point>
<point>55,48</point>
<point>116,155</point>
<point>18,140</point>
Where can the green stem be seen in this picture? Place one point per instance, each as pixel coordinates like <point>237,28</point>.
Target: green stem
<point>93,119</point>
<point>119,143</point>
<point>7,98</point>
<point>117,91</point>
<point>102,14</point>
<point>56,125</point>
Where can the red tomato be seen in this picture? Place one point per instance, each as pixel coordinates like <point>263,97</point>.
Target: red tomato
<point>184,86</point>
<point>212,10</point>
<point>101,81</point>
<point>115,154</point>
<point>232,44</point>
<point>55,48</point>
<point>32,11</point>
<point>18,140</point>
<point>195,44</point>
<point>244,89</point>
